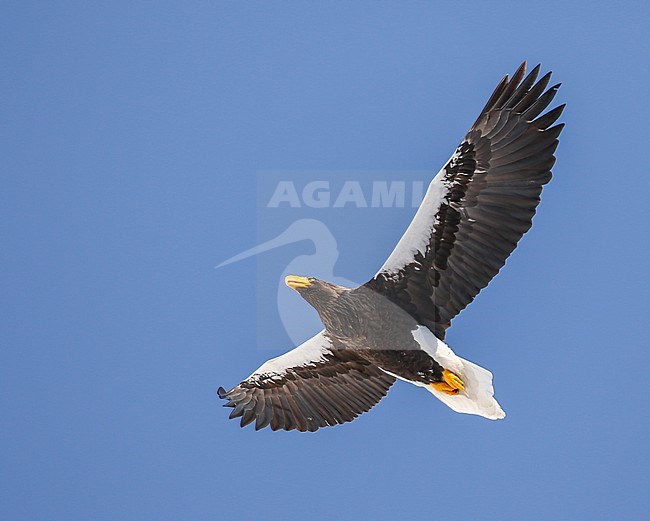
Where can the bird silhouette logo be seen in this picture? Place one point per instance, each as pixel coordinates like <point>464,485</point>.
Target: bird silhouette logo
<point>298,320</point>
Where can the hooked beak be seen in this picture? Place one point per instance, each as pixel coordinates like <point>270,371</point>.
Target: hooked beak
<point>295,282</point>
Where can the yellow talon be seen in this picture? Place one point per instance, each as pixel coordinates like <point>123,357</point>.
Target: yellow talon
<point>452,383</point>
<point>453,380</point>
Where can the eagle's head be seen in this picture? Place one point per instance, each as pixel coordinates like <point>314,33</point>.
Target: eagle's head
<point>318,293</point>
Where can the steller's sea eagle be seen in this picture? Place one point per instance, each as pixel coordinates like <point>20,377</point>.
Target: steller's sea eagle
<point>475,210</point>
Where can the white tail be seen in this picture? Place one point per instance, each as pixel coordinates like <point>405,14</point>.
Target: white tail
<point>478,395</point>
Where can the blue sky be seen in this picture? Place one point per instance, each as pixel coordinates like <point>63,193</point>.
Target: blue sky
<point>133,136</point>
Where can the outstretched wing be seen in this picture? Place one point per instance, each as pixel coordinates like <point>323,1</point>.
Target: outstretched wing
<point>310,387</point>
<point>478,206</point>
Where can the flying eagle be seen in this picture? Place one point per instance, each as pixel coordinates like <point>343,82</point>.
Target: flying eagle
<point>475,210</point>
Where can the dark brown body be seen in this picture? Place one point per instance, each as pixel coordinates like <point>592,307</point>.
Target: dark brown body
<point>368,324</point>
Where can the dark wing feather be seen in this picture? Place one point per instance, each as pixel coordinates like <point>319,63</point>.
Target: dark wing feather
<point>310,387</point>
<point>478,206</point>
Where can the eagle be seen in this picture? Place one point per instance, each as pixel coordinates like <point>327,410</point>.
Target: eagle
<point>474,212</point>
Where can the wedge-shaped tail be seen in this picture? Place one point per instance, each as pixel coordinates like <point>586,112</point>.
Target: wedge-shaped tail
<point>478,395</point>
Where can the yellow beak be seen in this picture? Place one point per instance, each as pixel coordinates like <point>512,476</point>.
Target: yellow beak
<point>296,282</point>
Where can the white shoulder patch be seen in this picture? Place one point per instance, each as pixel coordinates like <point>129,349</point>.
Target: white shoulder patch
<point>310,352</point>
<point>417,235</point>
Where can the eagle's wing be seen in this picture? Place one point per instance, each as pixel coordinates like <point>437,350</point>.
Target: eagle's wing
<point>478,206</point>
<point>310,387</point>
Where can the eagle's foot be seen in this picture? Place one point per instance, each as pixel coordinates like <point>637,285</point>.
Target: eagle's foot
<point>451,383</point>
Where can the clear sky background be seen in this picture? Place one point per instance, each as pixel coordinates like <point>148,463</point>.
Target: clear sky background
<point>132,134</point>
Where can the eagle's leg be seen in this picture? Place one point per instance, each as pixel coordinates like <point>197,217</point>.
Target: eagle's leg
<point>450,383</point>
